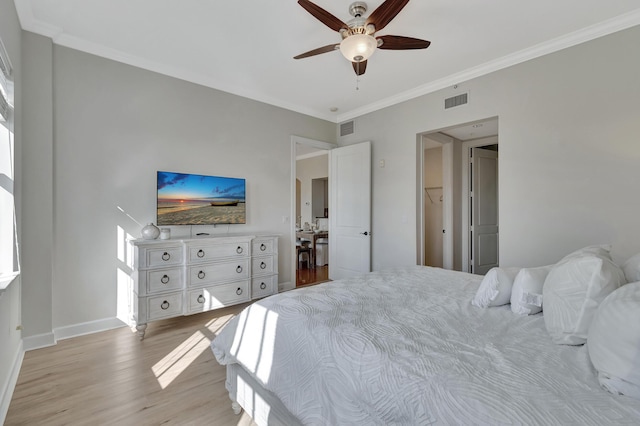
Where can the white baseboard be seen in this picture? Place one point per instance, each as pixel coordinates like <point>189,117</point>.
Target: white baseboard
<point>49,339</point>
<point>90,327</point>
<point>10,384</point>
<point>38,341</point>
<point>286,286</point>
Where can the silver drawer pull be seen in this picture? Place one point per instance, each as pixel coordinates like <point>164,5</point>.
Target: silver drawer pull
<point>263,247</point>
<point>263,265</point>
<point>164,279</point>
<point>200,299</point>
<point>201,274</point>
<point>239,250</point>
<point>166,256</point>
<point>263,286</point>
<point>200,253</point>
<point>239,269</point>
<point>239,291</point>
<point>165,305</point>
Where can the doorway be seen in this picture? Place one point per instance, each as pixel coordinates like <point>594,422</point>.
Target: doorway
<point>443,216</point>
<point>310,243</point>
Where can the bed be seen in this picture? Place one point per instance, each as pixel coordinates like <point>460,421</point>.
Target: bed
<point>405,347</point>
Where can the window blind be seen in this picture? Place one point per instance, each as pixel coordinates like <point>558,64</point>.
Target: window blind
<point>9,258</point>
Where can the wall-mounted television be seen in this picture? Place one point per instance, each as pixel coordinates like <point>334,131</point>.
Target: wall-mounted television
<point>191,199</point>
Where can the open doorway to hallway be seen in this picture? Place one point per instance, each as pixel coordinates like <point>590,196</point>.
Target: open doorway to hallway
<point>444,211</point>
<point>312,215</point>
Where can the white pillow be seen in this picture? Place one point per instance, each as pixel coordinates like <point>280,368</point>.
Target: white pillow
<point>526,294</point>
<point>602,250</point>
<point>614,340</point>
<point>631,269</point>
<point>572,292</point>
<point>495,288</point>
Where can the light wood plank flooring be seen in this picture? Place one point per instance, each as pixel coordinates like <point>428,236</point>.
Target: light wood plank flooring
<point>108,378</point>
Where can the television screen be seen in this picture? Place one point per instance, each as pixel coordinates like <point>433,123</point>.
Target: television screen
<point>188,199</point>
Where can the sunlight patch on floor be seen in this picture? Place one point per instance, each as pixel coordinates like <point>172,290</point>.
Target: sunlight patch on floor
<point>178,360</point>
<point>216,324</point>
<point>171,366</point>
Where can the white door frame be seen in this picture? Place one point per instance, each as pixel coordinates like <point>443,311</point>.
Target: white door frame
<point>466,244</point>
<point>447,191</point>
<point>292,218</point>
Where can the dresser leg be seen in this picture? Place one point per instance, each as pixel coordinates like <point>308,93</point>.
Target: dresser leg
<point>141,329</point>
<point>236,407</point>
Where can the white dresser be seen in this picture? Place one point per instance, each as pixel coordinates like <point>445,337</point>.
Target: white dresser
<point>188,276</point>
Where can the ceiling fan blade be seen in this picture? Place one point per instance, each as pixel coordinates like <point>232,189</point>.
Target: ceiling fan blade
<point>319,50</point>
<point>322,15</point>
<point>385,13</point>
<point>392,42</point>
<point>359,67</point>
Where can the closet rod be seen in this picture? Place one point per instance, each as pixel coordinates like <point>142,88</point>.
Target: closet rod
<point>426,189</point>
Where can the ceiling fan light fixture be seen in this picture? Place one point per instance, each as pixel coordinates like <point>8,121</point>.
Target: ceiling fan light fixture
<point>358,47</point>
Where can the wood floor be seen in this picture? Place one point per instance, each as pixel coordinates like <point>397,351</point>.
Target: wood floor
<point>307,276</point>
<point>109,378</point>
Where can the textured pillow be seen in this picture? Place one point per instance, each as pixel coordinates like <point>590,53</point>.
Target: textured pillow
<point>572,292</point>
<point>495,288</point>
<point>602,250</point>
<point>614,341</point>
<point>631,269</point>
<point>526,294</point>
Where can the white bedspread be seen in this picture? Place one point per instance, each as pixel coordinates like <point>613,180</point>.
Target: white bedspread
<point>405,347</point>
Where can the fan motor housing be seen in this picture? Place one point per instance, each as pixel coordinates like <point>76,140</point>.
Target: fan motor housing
<point>357,8</point>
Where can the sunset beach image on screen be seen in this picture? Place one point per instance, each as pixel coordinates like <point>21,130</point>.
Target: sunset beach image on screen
<point>191,199</point>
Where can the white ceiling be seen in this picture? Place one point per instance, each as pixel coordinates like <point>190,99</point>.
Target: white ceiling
<point>247,47</point>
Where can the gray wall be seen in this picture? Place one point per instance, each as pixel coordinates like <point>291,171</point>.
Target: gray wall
<point>113,127</point>
<point>569,154</point>
<point>37,183</point>
<point>10,303</point>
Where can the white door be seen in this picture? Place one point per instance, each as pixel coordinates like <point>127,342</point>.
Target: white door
<point>350,210</point>
<point>484,213</point>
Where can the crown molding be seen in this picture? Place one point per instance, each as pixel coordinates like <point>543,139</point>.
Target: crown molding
<point>29,23</point>
<point>592,32</point>
<point>619,23</point>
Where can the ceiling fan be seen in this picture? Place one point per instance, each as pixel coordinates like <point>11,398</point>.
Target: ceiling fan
<point>358,41</point>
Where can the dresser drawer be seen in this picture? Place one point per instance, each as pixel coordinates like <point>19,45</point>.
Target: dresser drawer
<point>166,256</point>
<point>199,254</point>
<point>261,246</point>
<point>264,286</point>
<point>213,297</point>
<point>159,280</point>
<point>218,272</point>
<point>263,265</point>
<point>164,306</point>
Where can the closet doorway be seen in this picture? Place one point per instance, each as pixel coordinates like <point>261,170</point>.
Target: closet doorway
<point>445,209</point>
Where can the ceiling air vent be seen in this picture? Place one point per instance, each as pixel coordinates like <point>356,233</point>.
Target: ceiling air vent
<point>456,101</point>
<point>346,128</point>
